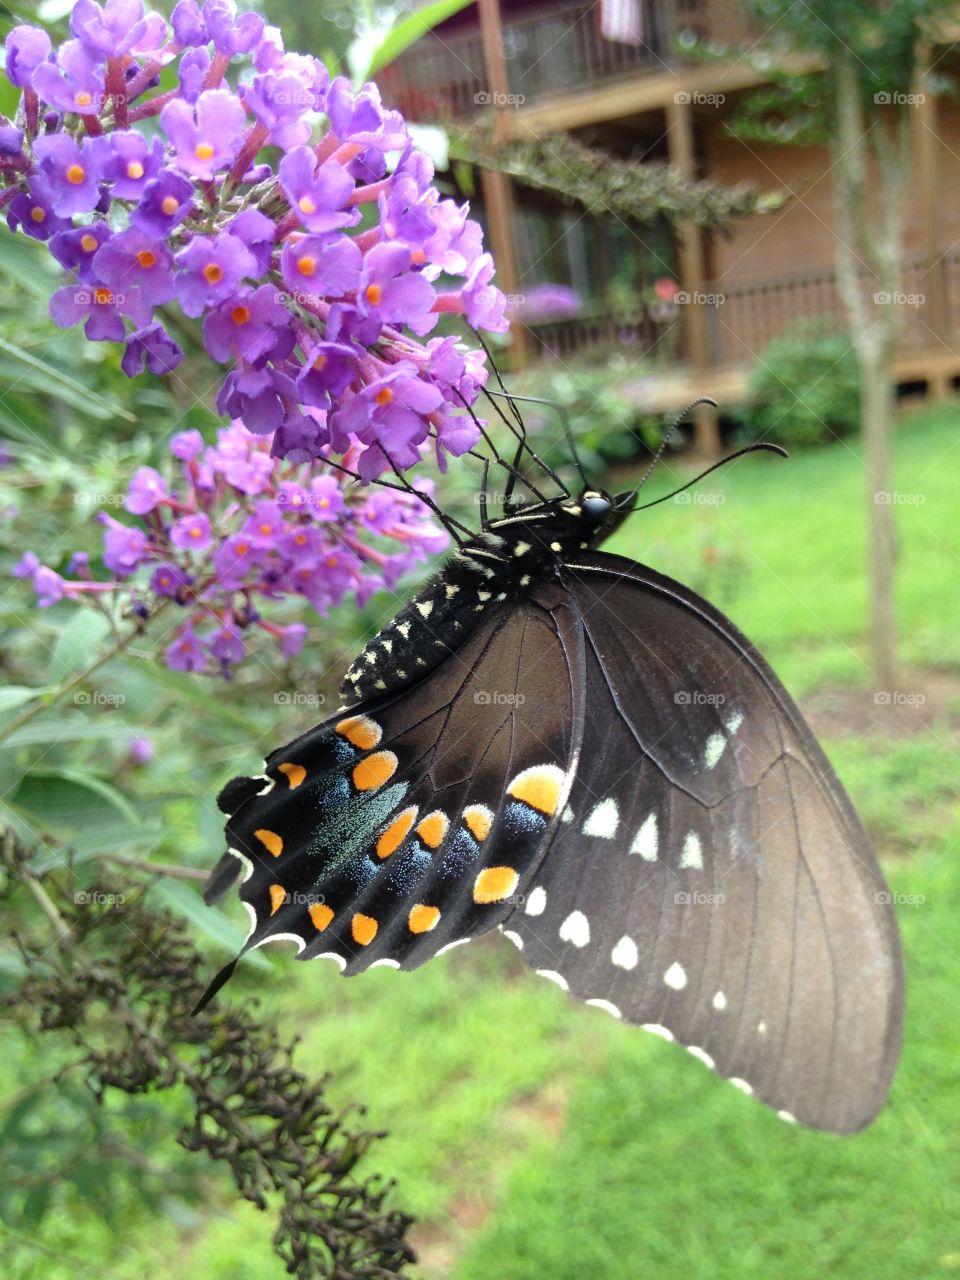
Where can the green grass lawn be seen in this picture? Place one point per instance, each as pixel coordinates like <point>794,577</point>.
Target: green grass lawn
<point>533,1137</point>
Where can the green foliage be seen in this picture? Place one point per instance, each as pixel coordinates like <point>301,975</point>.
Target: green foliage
<point>605,185</point>
<point>804,389</point>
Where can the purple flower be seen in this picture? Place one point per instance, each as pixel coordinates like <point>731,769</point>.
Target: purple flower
<point>484,304</point>
<point>361,118</point>
<point>11,142</point>
<point>26,48</point>
<point>187,445</point>
<point>191,533</point>
<point>193,73</point>
<point>189,28</point>
<point>329,369</point>
<point>133,258</point>
<point>33,213</point>
<point>265,524</point>
<point>456,242</point>
<point>260,397</point>
<point>75,83</point>
<point>26,566</point>
<point>248,325</point>
<point>207,136</point>
<point>116,27</point>
<point>212,269</point>
<point>394,294</point>
<point>291,641</point>
<point>124,546</point>
<point>257,232</point>
<point>140,750</point>
<point>165,202</point>
<point>187,653</point>
<point>170,580</point>
<point>317,193</point>
<point>151,348</point>
<point>146,491</point>
<point>320,266</point>
<point>280,101</point>
<point>229,33</point>
<point>227,645</point>
<point>234,560</point>
<point>130,161</point>
<point>326,498</point>
<point>389,413</point>
<point>78,248</point>
<point>70,172</point>
<point>102,309</point>
<point>48,585</point>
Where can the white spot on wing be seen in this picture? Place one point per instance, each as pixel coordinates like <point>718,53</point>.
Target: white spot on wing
<point>676,976</point>
<point>450,945</point>
<point>514,938</point>
<point>716,745</point>
<point>567,815</point>
<point>787,1117</point>
<point>385,963</point>
<point>691,857</point>
<point>645,842</point>
<point>552,976</point>
<point>655,1029</point>
<point>425,608</point>
<point>536,902</point>
<point>575,929</point>
<point>251,912</point>
<point>332,955</point>
<point>246,865</point>
<point>625,953</point>
<point>603,820</point>
<point>269,784</point>
<point>741,1085</point>
<point>734,722</point>
<point>404,629</point>
<point>702,1055</point>
<point>284,937</point>
<point>720,1001</point>
<point>521,548</point>
<point>607,1006</point>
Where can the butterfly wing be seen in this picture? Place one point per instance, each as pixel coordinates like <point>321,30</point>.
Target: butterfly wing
<point>711,879</point>
<point>403,825</point>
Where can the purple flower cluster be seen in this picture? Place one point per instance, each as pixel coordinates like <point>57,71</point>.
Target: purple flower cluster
<point>236,535</point>
<point>318,279</point>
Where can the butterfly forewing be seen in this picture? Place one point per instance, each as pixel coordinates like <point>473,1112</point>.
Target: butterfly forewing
<point>711,880</point>
<point>397,827</point>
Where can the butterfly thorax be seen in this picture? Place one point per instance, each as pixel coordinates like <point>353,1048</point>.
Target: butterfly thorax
<point>503,561</point>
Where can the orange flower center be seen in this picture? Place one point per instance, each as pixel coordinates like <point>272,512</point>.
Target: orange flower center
<point>306,205</point>
<point>169,205</point>
<point>88,242</point>
<point>213,273</point>
<point>384,396</point>
<point>83,99</point>
<point>319,363</point>
<point>373,294</point>
<point>266,528</point>
<point>37,214</point>
<point>331,562</point>
<point>196,532</point>
<point>147,258</point>
<point>203,151</point>
<point>418,257</point>
<point>102,297</point>
<point>76,174</point>
<point>240,315</point>
<point>324,502</point>
<point>134,169</point>
<point>242,548</point>
<point>307,265</point>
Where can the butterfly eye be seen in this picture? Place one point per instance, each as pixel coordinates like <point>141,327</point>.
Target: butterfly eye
<point>595,507</point>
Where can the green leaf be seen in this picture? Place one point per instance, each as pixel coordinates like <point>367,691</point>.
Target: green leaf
<point>15,695</point>
<point>91,783</point>
<point>193,695</point>
<point>181,898</point>
<point>408,30</point>
<point>77,644</point>
<point>54,381</point>
<point>51,732</point>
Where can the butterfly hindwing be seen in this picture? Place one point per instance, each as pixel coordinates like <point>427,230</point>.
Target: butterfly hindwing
<point>403,825</point>
<point>711,880</point>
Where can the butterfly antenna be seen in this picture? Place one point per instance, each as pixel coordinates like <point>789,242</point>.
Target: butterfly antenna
<point>564,417</point>
<point>455,529</point>
<point>668,433</point>
<point>512,469</point>
<point>750,448</point>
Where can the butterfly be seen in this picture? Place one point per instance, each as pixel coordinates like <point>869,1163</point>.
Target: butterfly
<point>564,744</point>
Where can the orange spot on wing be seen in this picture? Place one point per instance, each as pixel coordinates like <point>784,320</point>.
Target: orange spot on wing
<point>479,820</point>
<point>360,731</point>
<point>270,841</point>
<point>321,915</point>
<point>295,773</point>
<point>364,929</point>
<point>494,884</point>
<point>278,895</point>
<point>422,919</point>
<point>374,771</point>
<point>395,834</point>
<point>538,787</point>
<point>433,828</point>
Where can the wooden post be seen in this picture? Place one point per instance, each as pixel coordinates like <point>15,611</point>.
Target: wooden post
<point>929,160</point>
<point>680,152</point>
<point>497,189</point>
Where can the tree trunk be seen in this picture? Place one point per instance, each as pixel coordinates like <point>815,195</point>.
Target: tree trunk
<point>876,415</point>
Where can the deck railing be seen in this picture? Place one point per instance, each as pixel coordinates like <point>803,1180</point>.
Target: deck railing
<point>554,50</point>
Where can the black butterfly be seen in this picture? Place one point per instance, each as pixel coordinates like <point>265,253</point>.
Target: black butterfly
<point>567,745</point>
